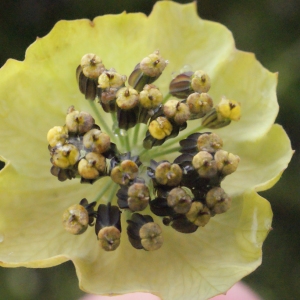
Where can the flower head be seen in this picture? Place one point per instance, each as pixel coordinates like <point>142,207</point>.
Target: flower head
<point>207,194</point>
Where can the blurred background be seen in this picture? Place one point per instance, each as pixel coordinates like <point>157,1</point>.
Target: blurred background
<point>270,29</point>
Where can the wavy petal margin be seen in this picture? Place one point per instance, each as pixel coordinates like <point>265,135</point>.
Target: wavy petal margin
<point>34,96</point>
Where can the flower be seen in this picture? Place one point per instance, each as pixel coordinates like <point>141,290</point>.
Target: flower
<point>34,96</point>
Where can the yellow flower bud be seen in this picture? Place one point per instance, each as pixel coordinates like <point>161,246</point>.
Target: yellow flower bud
<point>229,109</point>
<point>176,110</point>
<point>92,166</point>
<point>127,98</point>
<point>111,79</point>
<point>57,135</point>
<point>65,156</point>
<point>150,96</point>
<point>160,128</point>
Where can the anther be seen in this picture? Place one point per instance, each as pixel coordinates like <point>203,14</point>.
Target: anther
<point>227,163</point>
<point>198,214</point>
<point>125,172</point>
<point>96,141</point>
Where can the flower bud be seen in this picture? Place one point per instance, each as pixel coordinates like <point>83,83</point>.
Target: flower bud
<point>76,219</point>
<point>217,201</point>
<point>168,174</point>
<point>127,98</point>
<point>79,122</point>
<point>204,164</point>
<point>199,104</point>
<point>91,65</point>
<point>151,236</point>
<point>108,227</point>
<point>176,110</point>
<point>57,135</point>
<point>209,142</point>
<point>96,141</point>
<point>111,79</point>
<point>147,71</point>
<point>227,163</point>
<point>189,82</point>
<point>92,166</point>
<point>179,200</point>
<point>160,128</point>
<point>200,82</point>
<point>109,238</point>
<point>229,109</point>
<point>153,65</point>
<point>198,214</point>
<point>125,172</point>
<point>143,233</point>
<point>150,96</point>
<point>138,196</point>
<point>65,156</point>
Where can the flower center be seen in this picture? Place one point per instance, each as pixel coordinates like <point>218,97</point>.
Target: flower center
<point>147,125</point>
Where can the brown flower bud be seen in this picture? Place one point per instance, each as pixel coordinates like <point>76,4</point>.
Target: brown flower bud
<point>217,200</point>
<point>205,164</point>
<point>168,174</point>
<point>179,200</point>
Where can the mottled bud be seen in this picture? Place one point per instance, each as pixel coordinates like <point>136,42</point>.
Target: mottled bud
<point>168,174</point>
<point>127,98</point>
<point>160,128</point>
<point>200,82</point>
<point>176,110</point>
<point>79,122</point>
<point>204,164</point>
<point>198,214</point>
<point>217,200</point>
<point>125,172</point>
<point>153,65</point>
<point>151,236</point>
<point>91,65</point>
<point>57,135</point>
<point>65,156</point>
<point>76,219</point>
<point>138,196</point>
<point>179,200</point>
<point>96,141</point>
<point>209,142</point>
<point>109,238</point>
<point>199,104</point>
<point>227,163</point>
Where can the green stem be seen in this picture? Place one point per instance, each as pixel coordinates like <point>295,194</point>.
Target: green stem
<point>171,142</point>
<point>166,98</point>
<point>102,123</point>
<point>103,191</point>
<point>167,151</point>
<point>113,192</point>
<point>127,144</point>
<point>136,134</point>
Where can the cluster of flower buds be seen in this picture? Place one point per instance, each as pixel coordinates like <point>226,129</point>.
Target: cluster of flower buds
<point>188,191</point>
<point>79,148</point>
